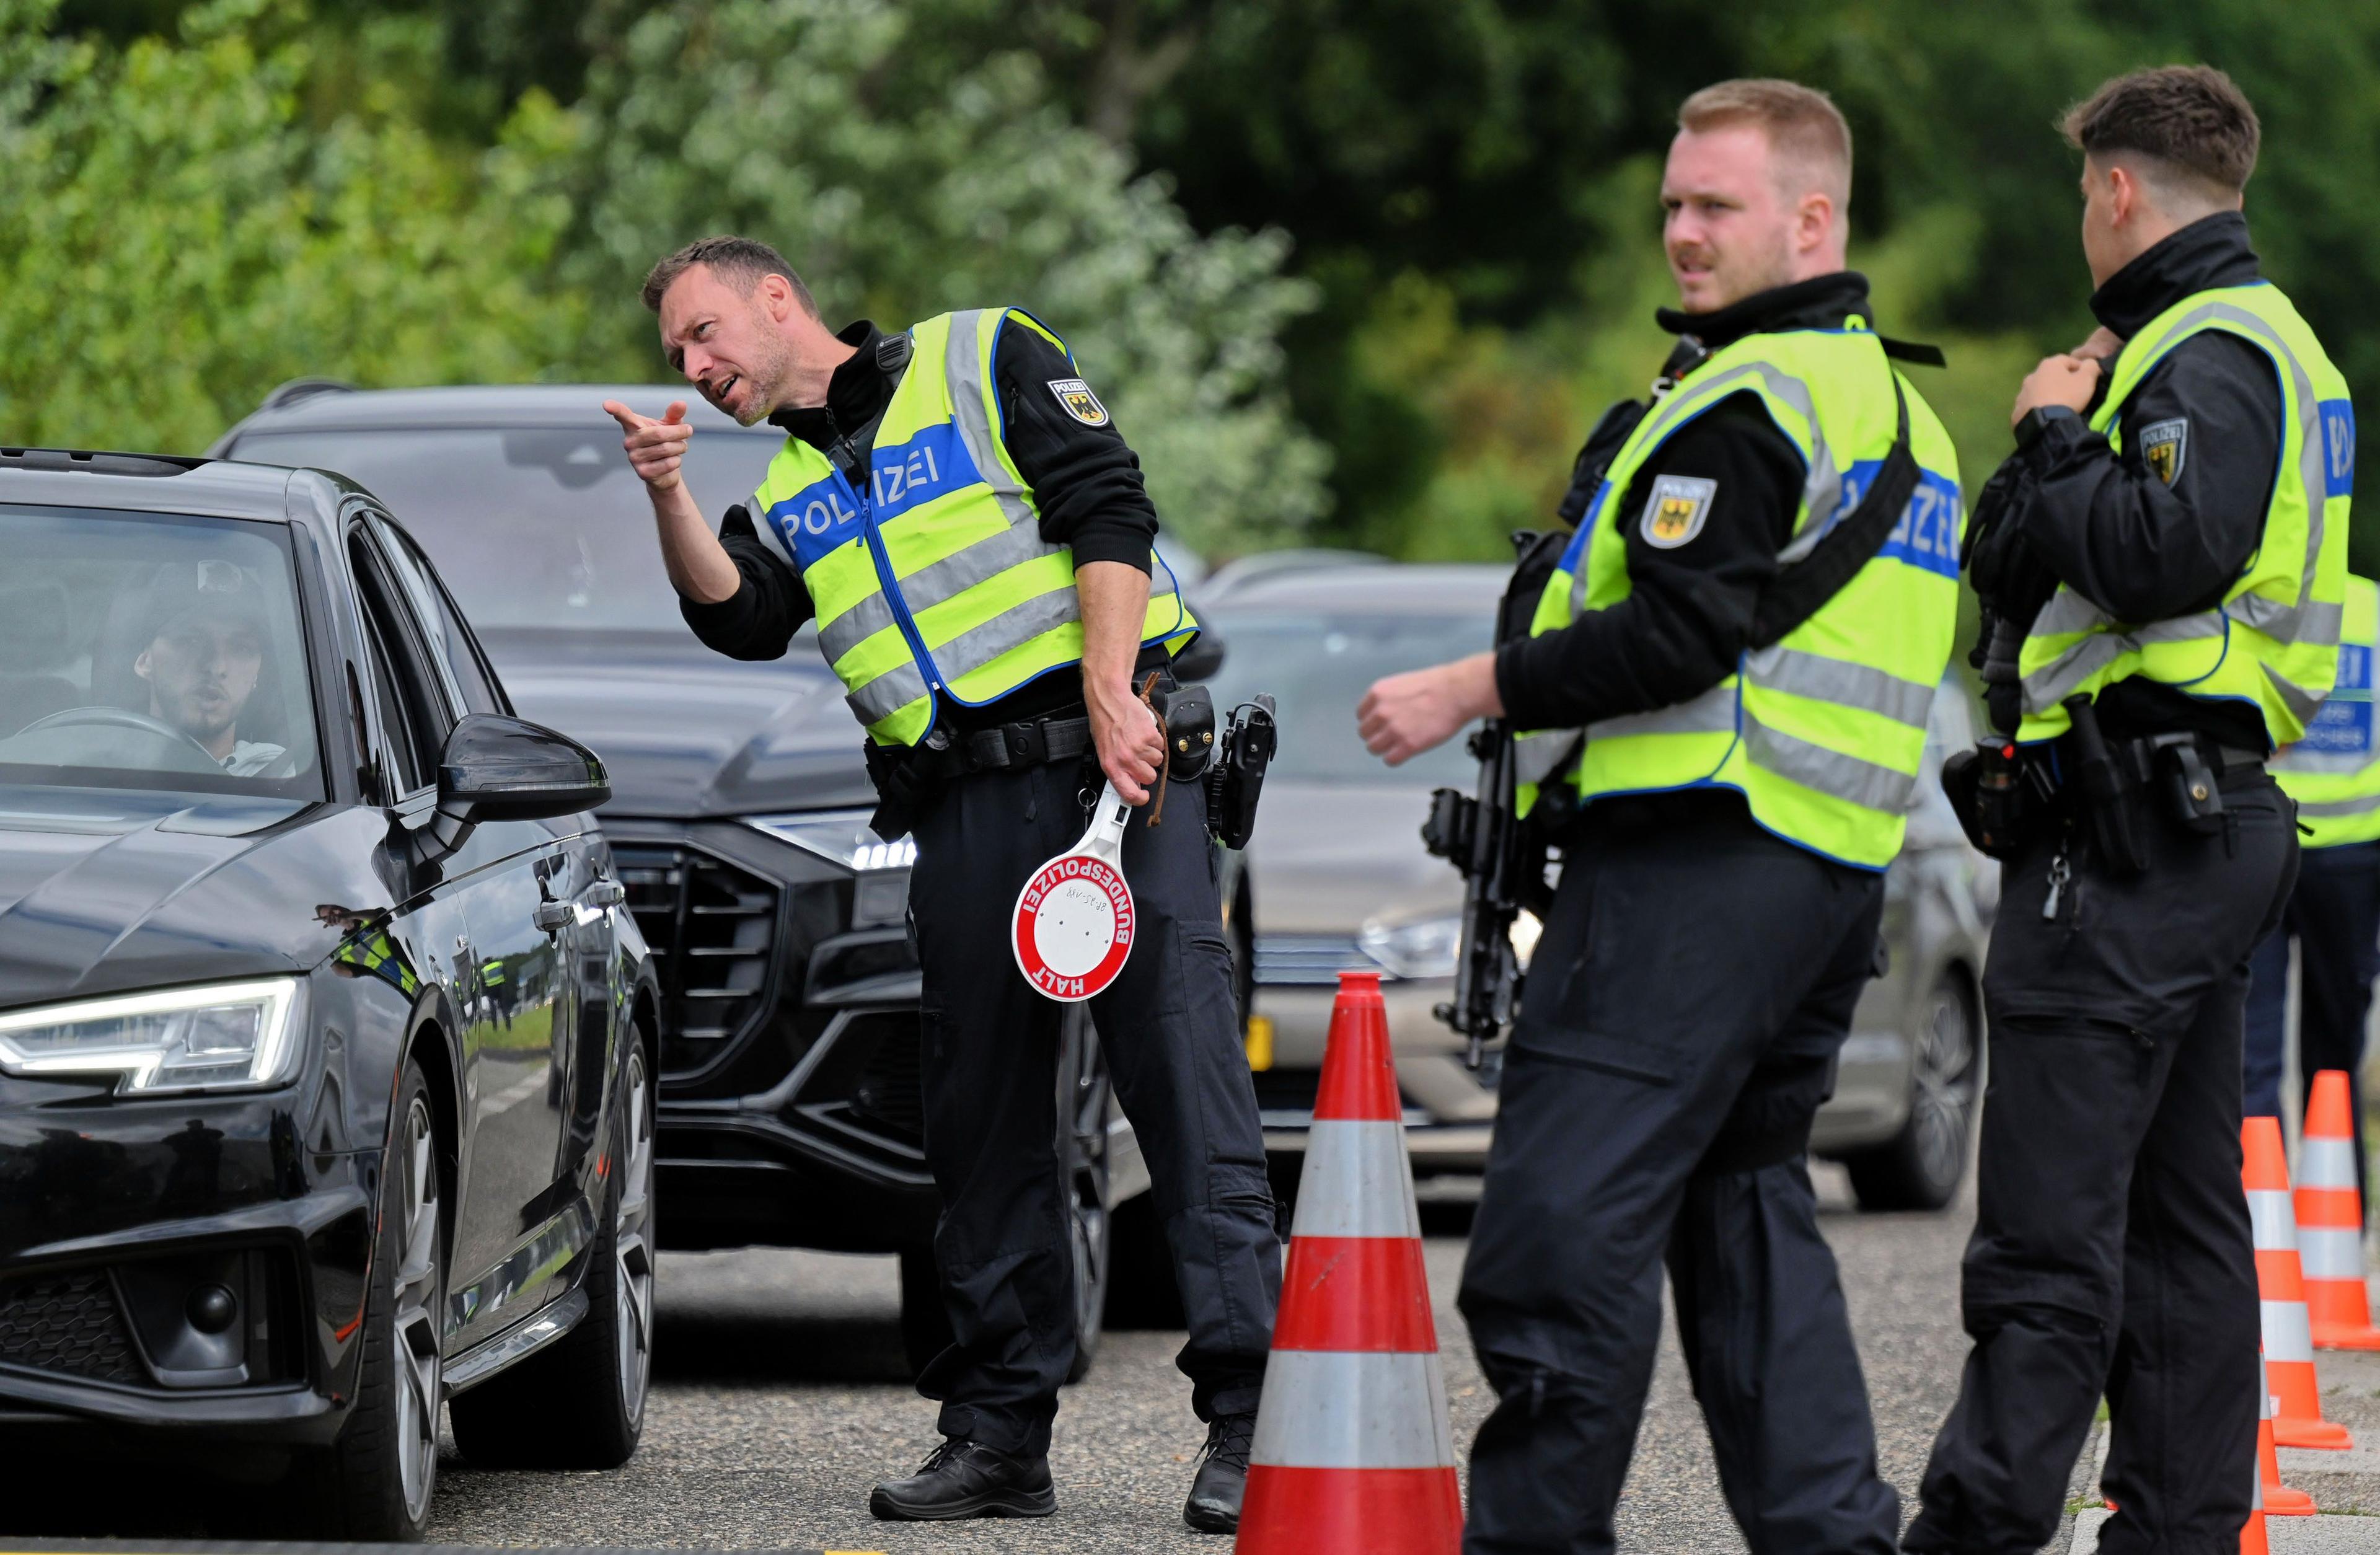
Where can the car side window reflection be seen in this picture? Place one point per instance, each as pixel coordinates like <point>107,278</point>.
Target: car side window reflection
<point>458,654</point>
<point>419,714</point>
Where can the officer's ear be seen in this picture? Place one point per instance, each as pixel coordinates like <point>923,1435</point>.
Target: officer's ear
<point>776,295</point>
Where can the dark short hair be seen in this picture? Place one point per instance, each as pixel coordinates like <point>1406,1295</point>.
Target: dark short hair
<point>2192,119</point>
<point>739,261</point>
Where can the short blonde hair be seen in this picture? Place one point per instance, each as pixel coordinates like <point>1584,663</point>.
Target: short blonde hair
<point>1805,127</point>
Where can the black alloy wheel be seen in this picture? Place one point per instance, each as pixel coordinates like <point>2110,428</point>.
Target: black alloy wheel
<point>1083,1093</point>
<point>1920,1167</point>
<point>376,1482</point>
<point>579,1402</point>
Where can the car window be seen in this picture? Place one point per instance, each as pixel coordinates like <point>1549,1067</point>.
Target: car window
<point>151,650</point>
<point>530,526</point>
<point>458,656</point>
<point>1320,666</point>
<point>417,709</point>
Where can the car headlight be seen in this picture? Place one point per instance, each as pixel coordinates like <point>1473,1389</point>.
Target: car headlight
<point>1423,949</point>
<point>226,1035</point>
<point>843,837</point>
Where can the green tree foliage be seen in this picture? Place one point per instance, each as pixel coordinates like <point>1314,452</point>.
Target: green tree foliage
<point>175,236</point>
<point>904,179</point>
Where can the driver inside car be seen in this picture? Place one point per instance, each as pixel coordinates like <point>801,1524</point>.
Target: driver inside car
<point>204,658</point>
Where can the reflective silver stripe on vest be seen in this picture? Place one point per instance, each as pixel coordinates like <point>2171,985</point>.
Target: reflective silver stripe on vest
<point>2300,702</point>
<point>2057,680</point>
<point>2361,804</point>
<point>1829,771</point>
<point>888,693</point>
<point>1841,682</point>
<point>1543,754</point>
<point>964,378</point>
<point>1821,490</point>
<point>978,646</point>
<point>1713,712</point>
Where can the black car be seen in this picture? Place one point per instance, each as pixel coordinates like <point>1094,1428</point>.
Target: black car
<point>325,1056</point>
<point>790,1113</point>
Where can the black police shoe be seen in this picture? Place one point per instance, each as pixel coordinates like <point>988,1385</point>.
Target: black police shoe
<point>1214,1503</point>
<point>967,1479</point>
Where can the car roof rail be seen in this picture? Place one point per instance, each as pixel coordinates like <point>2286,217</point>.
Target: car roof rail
<point>97,463</point>
<point>300,389</point>
<point>1257,565</point>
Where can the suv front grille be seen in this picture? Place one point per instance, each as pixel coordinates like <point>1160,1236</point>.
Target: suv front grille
<point>69,1323</point>
<point>1311,960</point>
<point>888,1096</point>
<point>713,929</point>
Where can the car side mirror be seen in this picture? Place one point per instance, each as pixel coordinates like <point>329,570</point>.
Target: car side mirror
<point>1203,659</point>
<point>495,767</point>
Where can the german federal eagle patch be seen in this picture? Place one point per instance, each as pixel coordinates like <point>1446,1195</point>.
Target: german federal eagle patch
<point>2163,445</point>
<point>1675,512</point>
<point>1079,402</point>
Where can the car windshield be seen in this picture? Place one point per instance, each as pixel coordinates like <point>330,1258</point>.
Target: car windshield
<point>146,650</point>
<point>1320,665</point>
<point>529,527</point>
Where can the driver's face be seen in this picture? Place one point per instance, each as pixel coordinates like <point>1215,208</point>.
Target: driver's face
<point>200,674</point>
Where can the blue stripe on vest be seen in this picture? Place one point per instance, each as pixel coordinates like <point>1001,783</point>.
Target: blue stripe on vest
<point>2342,725</point>
<point>824,516</point>
<point>2337,447</point>
<point>1927,536</point>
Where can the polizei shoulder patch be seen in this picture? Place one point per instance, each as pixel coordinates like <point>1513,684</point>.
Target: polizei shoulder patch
<point>1675,512</point>
<point>2163,445</point>
<point>1079,402</point>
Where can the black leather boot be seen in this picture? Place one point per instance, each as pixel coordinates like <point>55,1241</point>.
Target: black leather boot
<point>969,1479</point>
<point>1214,1503</point>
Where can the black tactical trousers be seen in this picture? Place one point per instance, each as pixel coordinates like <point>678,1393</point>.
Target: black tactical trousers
<point>2111,1252</point>
<point>1170,1032</point>
<point>1682,1013</point>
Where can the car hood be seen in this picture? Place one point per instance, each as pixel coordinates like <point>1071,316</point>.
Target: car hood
<point>1329,857</point>
<point>685,732</point>
<point>104,891</point>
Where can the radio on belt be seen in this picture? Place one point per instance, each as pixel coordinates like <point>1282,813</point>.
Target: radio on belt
<point>1073,923</point>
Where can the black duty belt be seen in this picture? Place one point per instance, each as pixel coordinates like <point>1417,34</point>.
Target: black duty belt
<point>1007,748</point>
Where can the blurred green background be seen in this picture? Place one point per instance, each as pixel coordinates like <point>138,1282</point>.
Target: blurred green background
<point>1350,272</point>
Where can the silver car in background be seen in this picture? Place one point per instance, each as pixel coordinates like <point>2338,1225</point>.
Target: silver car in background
<point>1346,884</point>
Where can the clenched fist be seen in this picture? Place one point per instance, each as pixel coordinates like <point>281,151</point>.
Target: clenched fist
<point>654,447</point>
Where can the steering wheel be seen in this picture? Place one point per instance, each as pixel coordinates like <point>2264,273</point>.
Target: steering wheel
<point>123,718</point>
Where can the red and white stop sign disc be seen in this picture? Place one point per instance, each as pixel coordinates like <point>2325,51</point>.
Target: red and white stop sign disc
<point>1074,924</point>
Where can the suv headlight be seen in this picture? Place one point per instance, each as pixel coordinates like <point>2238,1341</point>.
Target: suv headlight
<point>882,892</point>
<point>223,1037</point>
<point>1422,949</point>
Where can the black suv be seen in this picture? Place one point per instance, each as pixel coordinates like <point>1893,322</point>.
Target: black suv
<point>789,1089</point>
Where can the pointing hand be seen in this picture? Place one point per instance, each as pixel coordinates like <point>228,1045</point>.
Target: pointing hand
<point>654,447</point>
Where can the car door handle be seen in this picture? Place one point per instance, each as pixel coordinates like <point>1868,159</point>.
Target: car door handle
<point>552,916</point>
<point>605,893</point>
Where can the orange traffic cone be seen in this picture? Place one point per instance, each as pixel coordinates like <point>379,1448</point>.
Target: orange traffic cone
<point>2278,1500</point>
<point>2331,1221</point>
<point>2281,1291</point>
<point>1352,1452</point>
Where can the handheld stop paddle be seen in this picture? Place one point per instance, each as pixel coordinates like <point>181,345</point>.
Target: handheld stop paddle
<point>1073,923</point>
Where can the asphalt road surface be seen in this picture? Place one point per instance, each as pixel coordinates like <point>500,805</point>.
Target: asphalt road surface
<point>778,1399</point>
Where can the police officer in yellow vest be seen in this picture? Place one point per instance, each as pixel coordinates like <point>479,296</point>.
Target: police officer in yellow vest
<point>1718,912</point>
<point>2178,502</point>
<point>955,510</point>
<point>2333,772</point>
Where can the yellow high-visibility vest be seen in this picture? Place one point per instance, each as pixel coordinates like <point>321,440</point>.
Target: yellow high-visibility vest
<point>2334,771</point>
<point>1821,733</point>
<point>936,576</point>
<point>2272,642</point>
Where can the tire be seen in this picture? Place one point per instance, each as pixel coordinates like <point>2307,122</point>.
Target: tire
<point>579,1402</point>
<point>375,1483</point>
<point>1083,1092</point>
<point>1920,1167</point>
